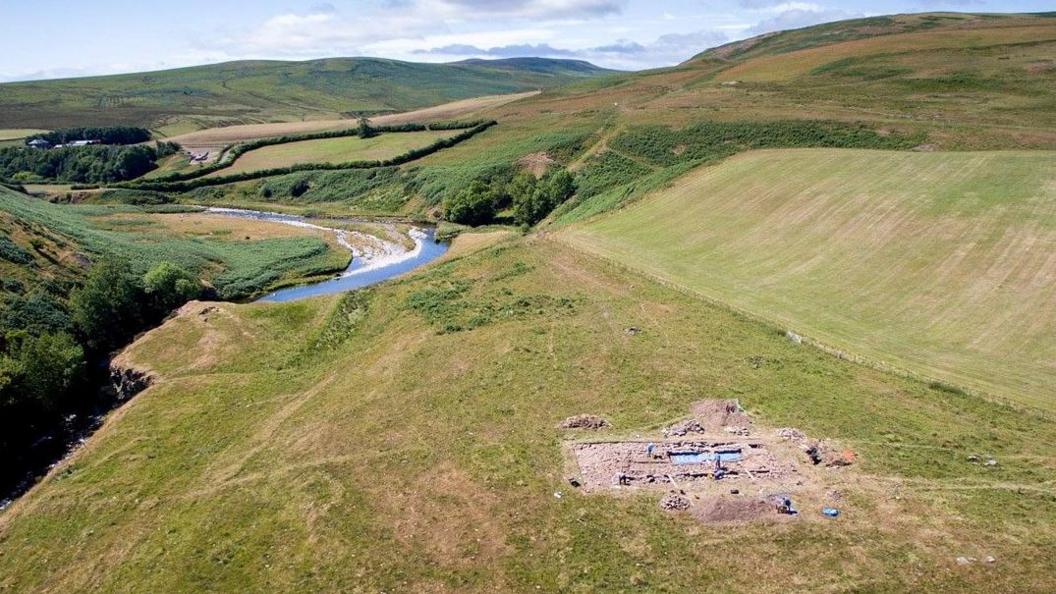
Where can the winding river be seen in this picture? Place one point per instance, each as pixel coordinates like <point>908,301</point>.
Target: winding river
<point>380,260</point>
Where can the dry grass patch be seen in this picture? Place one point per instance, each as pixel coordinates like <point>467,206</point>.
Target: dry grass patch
<point>784,67</point>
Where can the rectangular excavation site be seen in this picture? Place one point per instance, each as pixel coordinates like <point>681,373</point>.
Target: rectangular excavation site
<point>675,462</point>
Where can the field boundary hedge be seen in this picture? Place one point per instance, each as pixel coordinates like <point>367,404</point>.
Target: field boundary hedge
<point>228,158</point>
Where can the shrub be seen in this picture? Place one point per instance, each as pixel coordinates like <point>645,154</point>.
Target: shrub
<point>36,313</point>
<point>135,197</point>
<point>106,309</point>
<point>299,187</point>
<point>474,205</point>
<point>11,252</point>
<point>168,286</point>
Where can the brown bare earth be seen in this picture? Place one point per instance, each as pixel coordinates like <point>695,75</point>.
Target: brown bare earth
<point>536,163</point>
<point>214,140</point>
<point>715,465</point>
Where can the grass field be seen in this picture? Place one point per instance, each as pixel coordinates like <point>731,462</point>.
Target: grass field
<point>404,438</point>
<point>18,134</point>
<point>939,263</point>
<point>355,445</point>
<point>215,139</point>
<point>334,150</point>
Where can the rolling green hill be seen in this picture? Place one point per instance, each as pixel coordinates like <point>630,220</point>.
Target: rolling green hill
<point>406,437</point>
<point>259,91</point>
<point>354,444</point>
<point>939,263</point>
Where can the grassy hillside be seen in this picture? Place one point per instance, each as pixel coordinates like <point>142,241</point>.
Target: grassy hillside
<point>404,438</point>
<point>890,29</point>
<point>362,444</point>
<point>239,261</point>
<point>187,99</point>
<point>940,263</point>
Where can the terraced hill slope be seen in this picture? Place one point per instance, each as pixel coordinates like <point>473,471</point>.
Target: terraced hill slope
<point>940,263</point>
<point>187,99</point>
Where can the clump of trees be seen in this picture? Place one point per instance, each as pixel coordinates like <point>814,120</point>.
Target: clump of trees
<point>531,199</point>
<point>53,350</point>
<point>104,134</point>
<point>82,164</point>
<point>114,303</point>
<point>365,130</point>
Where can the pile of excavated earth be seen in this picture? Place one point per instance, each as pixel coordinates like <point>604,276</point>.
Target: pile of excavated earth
<point>715,464</point>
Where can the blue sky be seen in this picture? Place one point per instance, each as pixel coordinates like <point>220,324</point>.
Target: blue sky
<point>54,38</point>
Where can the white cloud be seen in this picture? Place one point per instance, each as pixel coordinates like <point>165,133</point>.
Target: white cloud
<point>468,10</point>
<point>622,54</point>
<point>797,15</point>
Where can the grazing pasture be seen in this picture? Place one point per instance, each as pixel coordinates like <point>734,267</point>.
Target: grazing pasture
<point>942,264</point>
<point>405,438</point>
<point>334,150</point>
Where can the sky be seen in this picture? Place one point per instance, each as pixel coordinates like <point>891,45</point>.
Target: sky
<point>63,38</point>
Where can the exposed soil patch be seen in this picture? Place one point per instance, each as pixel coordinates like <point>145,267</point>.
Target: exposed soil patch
<point>675,462</point>
<point>584,422</point>
<point>716,414</point>
<point>714,465</point>
<point>732,509</point>
<point>536,163</point>
<point>1040,67</point>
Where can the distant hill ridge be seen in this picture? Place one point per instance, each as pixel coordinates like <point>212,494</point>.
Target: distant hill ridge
<point>251,91</point>
<point>781,42</point>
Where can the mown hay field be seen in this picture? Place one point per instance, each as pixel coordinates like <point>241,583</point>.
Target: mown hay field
<point>942,264</point>
<point>404,439</point>
<point>215,139</point>
<point>334,150</point>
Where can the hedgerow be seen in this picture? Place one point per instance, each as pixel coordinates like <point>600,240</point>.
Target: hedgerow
<point>411,155</point>
<point>613,177</point>
<point>232,154</point>
<point>709,140</point>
